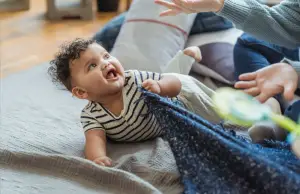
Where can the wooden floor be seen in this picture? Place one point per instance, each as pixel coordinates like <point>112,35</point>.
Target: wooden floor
<point>28,39</point>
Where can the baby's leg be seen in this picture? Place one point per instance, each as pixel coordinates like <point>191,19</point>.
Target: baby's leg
<point>194,52</point>
<point>268,130</point>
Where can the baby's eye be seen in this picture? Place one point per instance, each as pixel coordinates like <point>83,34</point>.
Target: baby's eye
<point>106,56</point>
<point>92,66</point>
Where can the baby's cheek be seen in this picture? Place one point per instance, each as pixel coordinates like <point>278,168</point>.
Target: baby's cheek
<point>95,82</point>
<point>118,66</point>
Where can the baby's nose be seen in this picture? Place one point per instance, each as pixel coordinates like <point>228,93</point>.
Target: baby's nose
<point>104,66</point>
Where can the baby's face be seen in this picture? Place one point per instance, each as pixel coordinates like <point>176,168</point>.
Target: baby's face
<point>96,74</point>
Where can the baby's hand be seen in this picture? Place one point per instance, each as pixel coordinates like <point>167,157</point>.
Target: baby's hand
<point>152,86</point>
<point>103,161</point>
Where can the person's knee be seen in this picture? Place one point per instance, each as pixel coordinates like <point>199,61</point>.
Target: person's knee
<point>251,42</point>
<point>244,44</point>
<point>247,39</point>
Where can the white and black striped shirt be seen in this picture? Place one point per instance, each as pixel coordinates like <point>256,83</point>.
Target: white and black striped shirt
<point>132,124</point>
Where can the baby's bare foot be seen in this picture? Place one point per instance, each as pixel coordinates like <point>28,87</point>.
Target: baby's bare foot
<point>194,52</point>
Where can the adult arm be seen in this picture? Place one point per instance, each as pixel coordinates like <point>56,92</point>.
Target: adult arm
<point>279,24</point>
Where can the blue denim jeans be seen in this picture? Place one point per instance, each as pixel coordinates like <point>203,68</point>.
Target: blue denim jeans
<point>251,54</point>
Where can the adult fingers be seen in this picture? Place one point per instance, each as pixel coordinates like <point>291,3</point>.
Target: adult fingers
<point>170,12</point>
<point>245,84</point>
<point>181,3</point>
<point>252,91</point>
<point>167,4</point>
<point>289,90</point>
<point>263,97</point>
<point>248,76</point>
<point>184,6</point>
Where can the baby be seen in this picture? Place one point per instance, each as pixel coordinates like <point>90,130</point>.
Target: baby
<point>88,71</point>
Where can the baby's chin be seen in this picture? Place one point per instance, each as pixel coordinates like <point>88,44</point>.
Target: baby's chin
<point>116,88</point>
<point>121,79</point>
<point>118,84</point>
<point>121,83</point>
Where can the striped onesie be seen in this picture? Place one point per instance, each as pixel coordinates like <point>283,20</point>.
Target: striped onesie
<point>131,125</point>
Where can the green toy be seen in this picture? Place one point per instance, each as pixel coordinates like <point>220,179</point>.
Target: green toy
<point>242,109</point>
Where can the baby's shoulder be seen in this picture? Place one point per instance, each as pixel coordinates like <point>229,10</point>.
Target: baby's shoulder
<point>130,73</point>
<point>138,76</point>
<point>91,108</point>
<point>130,76</point>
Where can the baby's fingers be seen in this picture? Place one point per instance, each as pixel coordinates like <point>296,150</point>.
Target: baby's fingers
<point>148,87</point>
<point>147,83</point>
<point>101,163</point>
<point>104,162</point>
<point>107,162</point>
<point>152,90</point>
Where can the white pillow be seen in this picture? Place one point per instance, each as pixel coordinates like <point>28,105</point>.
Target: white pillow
<point>147,41</point>
<point>229,36</point>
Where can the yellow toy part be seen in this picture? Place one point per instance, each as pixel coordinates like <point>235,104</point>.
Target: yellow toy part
<point>242,109</point>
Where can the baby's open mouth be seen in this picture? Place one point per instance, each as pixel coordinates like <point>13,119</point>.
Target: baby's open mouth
<point>111,74</point>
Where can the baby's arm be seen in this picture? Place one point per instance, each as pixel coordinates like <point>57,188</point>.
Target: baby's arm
<point>170,86</point>
<point>95,147</point>
<point>167,86</point>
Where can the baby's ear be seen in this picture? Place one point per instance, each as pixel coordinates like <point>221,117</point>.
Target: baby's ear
<point>79,93</point>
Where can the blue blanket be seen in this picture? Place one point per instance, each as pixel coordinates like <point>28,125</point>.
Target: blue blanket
<point>212,159</point>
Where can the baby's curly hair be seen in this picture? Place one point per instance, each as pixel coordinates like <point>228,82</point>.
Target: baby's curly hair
<point>60,65</point>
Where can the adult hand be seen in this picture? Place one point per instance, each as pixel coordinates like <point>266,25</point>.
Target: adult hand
<point>189,6</point>
<point>269,81</point>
